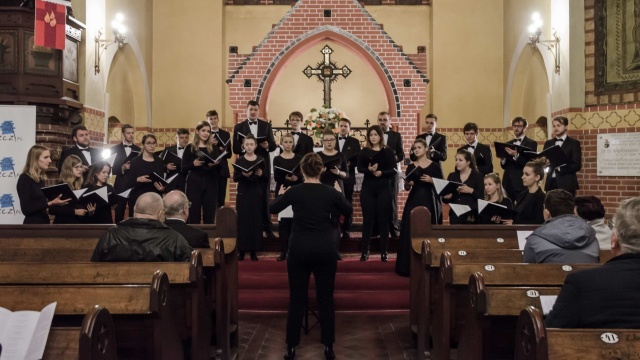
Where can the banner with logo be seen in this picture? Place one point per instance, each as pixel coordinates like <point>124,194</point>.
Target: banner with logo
<point>17,135</point>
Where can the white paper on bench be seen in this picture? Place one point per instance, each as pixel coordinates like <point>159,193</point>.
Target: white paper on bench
<point>547,302</point>
<point>522,238</point>
<point>23,334</point>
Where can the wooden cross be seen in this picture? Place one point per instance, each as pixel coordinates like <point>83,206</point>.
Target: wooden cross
<point>327,72</point>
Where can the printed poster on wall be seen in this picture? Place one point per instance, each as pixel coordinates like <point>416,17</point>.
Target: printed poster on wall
<point>17,135</point>
<point>619,154</point>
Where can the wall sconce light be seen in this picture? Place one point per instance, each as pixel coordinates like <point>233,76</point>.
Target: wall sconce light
<point>119,35</point>
<point>535,30</point>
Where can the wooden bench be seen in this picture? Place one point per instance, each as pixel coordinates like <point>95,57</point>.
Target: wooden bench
<point>75,243</point>
<point>536,342</point>
<point>187,302</point>
<point>141,315</point>
<point>452,294</point>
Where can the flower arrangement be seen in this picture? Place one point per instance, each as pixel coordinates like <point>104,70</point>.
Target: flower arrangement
<point>318,120</point>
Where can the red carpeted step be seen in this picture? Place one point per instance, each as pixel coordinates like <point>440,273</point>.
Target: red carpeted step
<point>360,286</point>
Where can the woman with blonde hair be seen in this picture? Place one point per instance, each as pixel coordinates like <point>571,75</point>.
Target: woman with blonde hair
<point>72,212</point>
<point>494,193</point>
<point>33,202</point>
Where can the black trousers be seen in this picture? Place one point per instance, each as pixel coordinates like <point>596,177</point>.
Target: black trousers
<point>376,207</point>
<point>349,184</point>
<point>284,230</point>
<point>393,221</point>
<point>202,191</point>
<point>222,190</point>
<point>121,207</point>
<point>299,268</point>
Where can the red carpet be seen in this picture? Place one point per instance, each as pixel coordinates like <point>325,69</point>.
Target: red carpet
<point>360,286</point>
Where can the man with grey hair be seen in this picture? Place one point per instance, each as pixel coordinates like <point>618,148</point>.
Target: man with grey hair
<point>143,237</point>
<point>607,296</point>
<point>177,207</point>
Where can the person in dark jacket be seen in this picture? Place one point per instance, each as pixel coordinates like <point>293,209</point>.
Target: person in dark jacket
<point>606,296</point>
<point>144,237</point>
<point>177,206</point>
<point>564,238</point>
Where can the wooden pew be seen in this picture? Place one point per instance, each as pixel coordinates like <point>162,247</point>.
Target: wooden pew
<point>187,302</point>
<point>452,293</point>
<point>94,340</point>
<point>492,315</point>
<point>535,342</point>
<point>140,312</point>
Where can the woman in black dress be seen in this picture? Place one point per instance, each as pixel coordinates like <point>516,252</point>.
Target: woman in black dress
<point>72,212</point>
<point>33,202</point>
<point>377,162</point>
<point>472,189</point>
<point>494,193</point>
<point>312,250</point>
<point>530,203</point>
<point>285,176</point>
<point>142,168</point>
<point>97,178</point>
<point>248,195</point>
<point>202,181</point>
<point>335,162</point>
<point>423,193</point>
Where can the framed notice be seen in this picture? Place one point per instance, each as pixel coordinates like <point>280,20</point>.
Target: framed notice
<point>619,154</point>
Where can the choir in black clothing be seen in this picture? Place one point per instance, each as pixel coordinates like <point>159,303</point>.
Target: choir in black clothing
<point>392,140</point>
<point>72,212</point>
<point>173,165</point>
<point>377,162</point>
<point>529,205</point>
<point>471,190</point>
<point>515,162</point>
<point>564,177</point>
<point>143,166</point>
<point>302,143</point>
<point>419,179</point>
<point>81,148</point>
<point>335,162</point>
<point>96,179</point>
<point>121,166</point>
<point>350,148</point>
<point>286,173</point>
<point>251,174</point>
<point>481,152</point>
<point>33,201</point>
<point>494,193</point>
<point>436,141</point>
<point>312,250</point>
<point>222,140</point>
<point>200,159</point>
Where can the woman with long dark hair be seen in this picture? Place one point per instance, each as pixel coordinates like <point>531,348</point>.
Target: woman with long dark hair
<point>377,162</point>
<point>312,249</point>
<point>419,179</point>
<point>141,172</point>
<point>530,202</point>
<point>471,190</point>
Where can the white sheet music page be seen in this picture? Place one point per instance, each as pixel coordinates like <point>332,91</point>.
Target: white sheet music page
<point>547,302</point>
<point>23,334</point>
<point>522,238</point>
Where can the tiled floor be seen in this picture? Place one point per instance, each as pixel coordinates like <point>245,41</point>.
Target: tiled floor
<point>358,337</point>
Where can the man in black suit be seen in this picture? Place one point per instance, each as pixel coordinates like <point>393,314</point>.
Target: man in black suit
<point>482,152</point>
<point>437,142</point>
<point>81,149</point>
<point>514,163</point>
<point>266,144</point>
<point>394,141</point>
<point>121,167</point>
<point>182,139</point>
<point>176,214</point>
<point>606,296</point>
<point>302,143</point>
<point>564,176</point>
<point>350,148</point>
<point>222,139</point>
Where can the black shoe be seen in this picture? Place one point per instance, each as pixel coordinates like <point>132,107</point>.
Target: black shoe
<point>364,257</point>
<point>291,353</point>
<point>282,257</point>
<point>254,257</point>
<point>241,256</point>
<point>328,353</point>
<point>384,257</point>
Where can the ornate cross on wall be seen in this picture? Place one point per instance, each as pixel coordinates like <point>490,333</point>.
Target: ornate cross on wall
<point>327,72</point>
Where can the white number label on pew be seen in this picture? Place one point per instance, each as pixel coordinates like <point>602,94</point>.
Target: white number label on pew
<point>489,267</point>
<point>462,253</point>
<point>441,240</point>
<point>532,293</point>
<point>567,267</point>
<point>609,338</point>
<point>500,240</point>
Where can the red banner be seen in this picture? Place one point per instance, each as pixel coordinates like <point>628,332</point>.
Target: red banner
<point>50,24</point>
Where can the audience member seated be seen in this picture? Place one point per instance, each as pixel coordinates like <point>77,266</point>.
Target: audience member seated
<point>564,238</point>
<point>590,208</point>
<point>606,296</point>
<point>176,214</point>
<point>144,237</point>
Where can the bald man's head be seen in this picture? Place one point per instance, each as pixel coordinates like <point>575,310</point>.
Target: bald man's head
<point>176,204</point>
<point>149,206</point>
